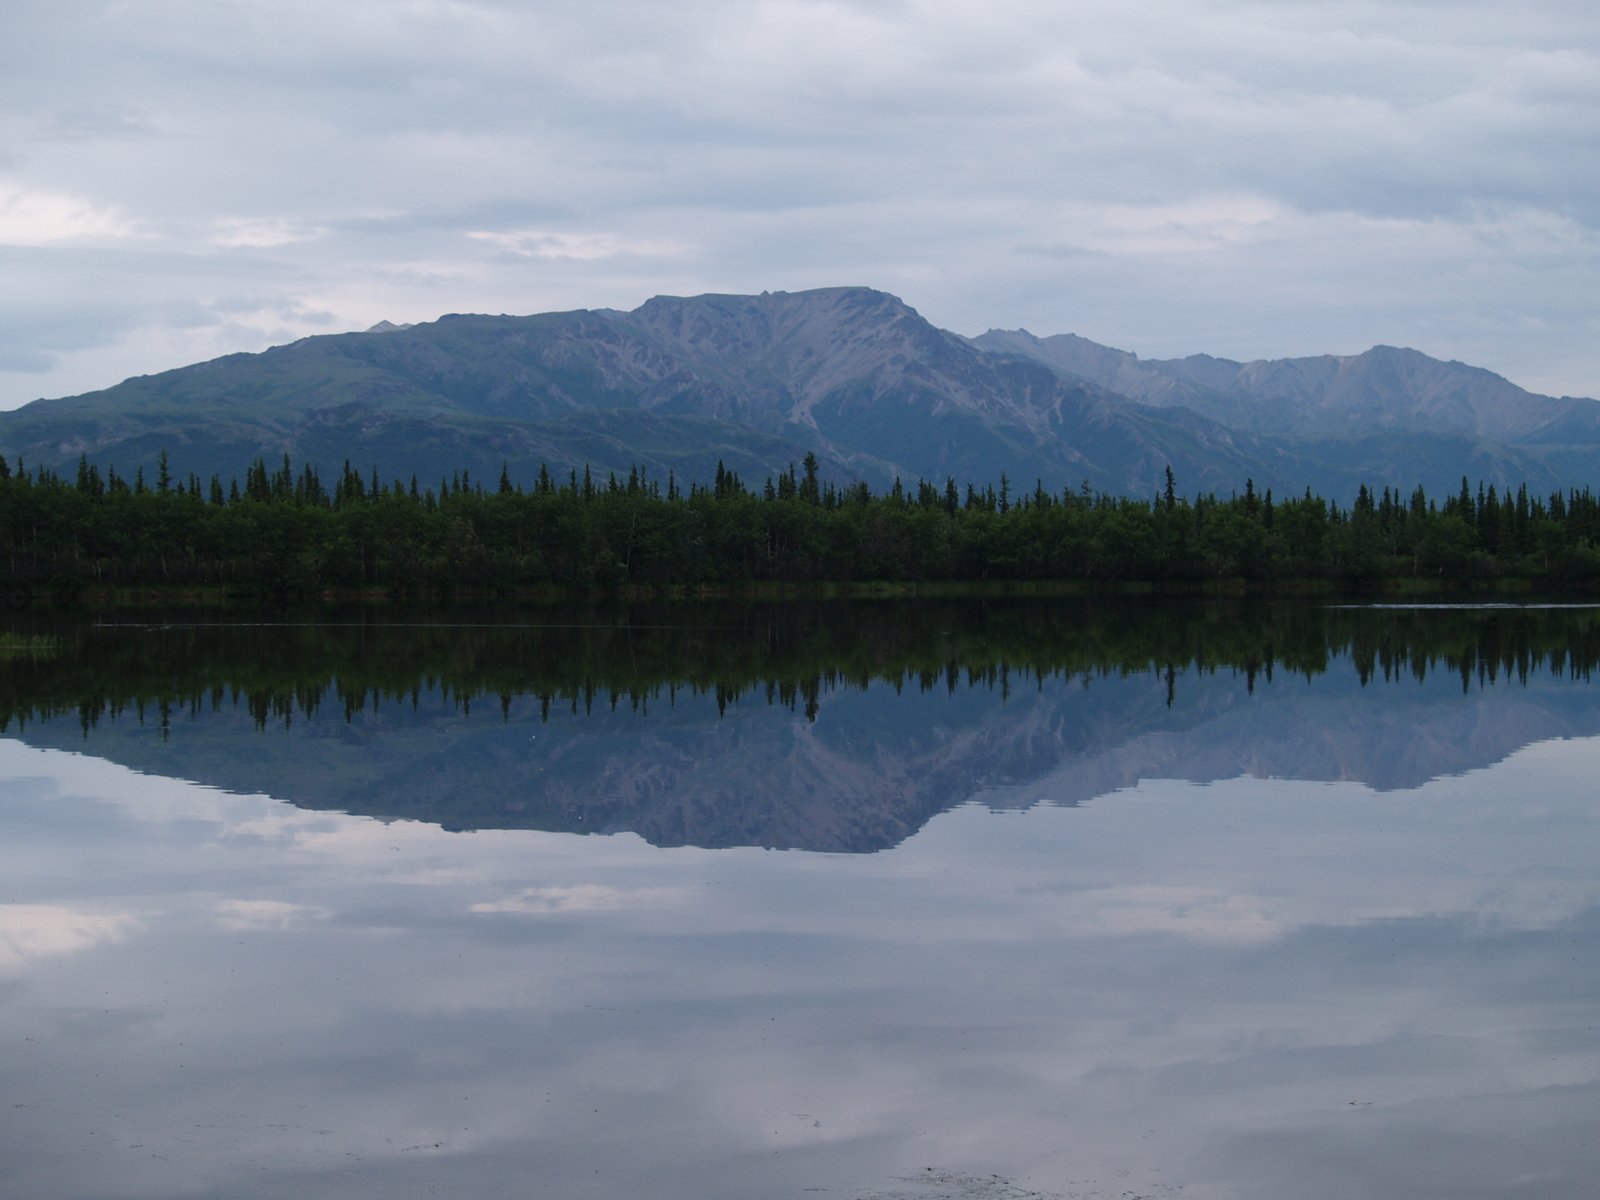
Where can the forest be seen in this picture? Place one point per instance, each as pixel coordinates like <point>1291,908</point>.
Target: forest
<point>285,532</point>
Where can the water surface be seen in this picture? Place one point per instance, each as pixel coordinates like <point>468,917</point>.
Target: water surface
<point>859,901</point>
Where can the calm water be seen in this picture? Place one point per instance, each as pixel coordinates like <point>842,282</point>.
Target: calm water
<point>863,902</point>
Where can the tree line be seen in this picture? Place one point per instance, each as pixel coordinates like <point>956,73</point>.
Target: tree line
<point>285,531</point>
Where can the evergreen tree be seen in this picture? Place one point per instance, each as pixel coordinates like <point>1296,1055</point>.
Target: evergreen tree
<point>809,491</point>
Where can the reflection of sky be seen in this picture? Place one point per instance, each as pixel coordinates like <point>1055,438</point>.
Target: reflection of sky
<point>1247,988</point>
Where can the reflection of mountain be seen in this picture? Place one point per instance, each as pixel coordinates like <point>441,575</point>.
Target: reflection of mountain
<point>1388,737</point>
<point>747,765</point>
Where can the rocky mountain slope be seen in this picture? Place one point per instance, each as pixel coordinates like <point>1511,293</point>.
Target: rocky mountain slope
<point>1383,389</point>
<point>853,375</point>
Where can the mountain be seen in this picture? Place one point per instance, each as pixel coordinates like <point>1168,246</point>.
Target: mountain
<point>1384,389</point>
<point>852,375</point>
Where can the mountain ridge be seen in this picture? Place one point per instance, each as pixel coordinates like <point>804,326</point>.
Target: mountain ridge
<point>853,375</point>
<point>1319,393</point>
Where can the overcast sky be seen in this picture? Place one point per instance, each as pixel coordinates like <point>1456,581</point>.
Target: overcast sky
<point>185,178</point>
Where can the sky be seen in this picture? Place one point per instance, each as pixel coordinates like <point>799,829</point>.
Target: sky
<point>181,179</point>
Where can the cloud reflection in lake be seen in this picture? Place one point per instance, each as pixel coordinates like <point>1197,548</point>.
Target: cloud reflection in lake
<point>1226,984</point>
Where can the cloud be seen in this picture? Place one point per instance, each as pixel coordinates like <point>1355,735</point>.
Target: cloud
<point>97,122</point>
<point>1179,176</point>
<point>66,341</point>
<point>39,218</point>
<point>35,334</point>
<point>580,247</point>
<point>1202,223</point>
<point>250,233</point>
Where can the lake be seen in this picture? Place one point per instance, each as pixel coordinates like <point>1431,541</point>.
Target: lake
<point>870,901</point>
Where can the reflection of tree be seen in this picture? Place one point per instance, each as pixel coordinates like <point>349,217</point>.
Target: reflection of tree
<point>789,654</point>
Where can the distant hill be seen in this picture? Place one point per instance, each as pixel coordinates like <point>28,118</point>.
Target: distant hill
<point>1384,390</point>
<point>851,374</point>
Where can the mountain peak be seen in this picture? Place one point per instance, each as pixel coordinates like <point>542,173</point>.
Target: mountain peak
<point>851,373</point>
<point>855,298</point>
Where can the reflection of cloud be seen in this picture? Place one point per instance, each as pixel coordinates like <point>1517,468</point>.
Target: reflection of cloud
<point>1205,914</point>
<point>583,897</point>
<point>239,916</point>
<point>37,930</point>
